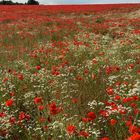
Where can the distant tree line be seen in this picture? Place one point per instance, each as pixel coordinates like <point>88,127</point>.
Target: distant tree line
<point>10,2</point>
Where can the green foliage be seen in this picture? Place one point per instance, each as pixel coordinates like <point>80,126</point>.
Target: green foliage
<point>32,2</point>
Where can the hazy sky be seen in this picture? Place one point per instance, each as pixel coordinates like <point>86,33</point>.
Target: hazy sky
<point>80,1</point>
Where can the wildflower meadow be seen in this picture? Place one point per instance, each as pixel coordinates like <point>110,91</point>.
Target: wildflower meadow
<point>70,72</point>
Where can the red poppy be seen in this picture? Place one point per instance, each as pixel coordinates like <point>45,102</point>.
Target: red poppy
<point>128,123</point>
<point>38,100</point>
<point>136,111</point>
<point>79,77</point>
<point>5,80</point>
<point>105,138</point>
<point>135,97</point>
<point>117,83</point>
<point>38,67</point>
<point>54,109</point>
<point>85,120</point>
<point>20,76</point>
<point>84,134</point>
<point>12,94</point>
<point>86,71</point>
<point>109,70</point>
<point>74,100</point>
<point>133,129</point>
<point>123,111</point>
<point>9,102</point>
<point>104,113</point>
<point>94,61</point>
<point>41,107</point>
<point>91,116</point>
<point>2,114</point>
<point>45,128</point>
<point>124,100</point>
<point>110,91</point>
<point>42,119</point>
<point>117,97</point>
<point>12,120</point>
<point>113,122</point>
<point>131,66</point>
<point>134,105</point>
<point>27,117</point>
<point>71,129</point>
<point>135,136</point>
<point>138,72</point>
<point>21,115</point>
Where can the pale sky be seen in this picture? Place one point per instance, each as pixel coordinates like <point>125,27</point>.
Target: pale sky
<point>80,1</point>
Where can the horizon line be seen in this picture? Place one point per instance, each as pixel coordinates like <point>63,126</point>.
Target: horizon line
<point>94,3</point>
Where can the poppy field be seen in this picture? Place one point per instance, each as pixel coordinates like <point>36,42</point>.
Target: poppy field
<point>70,72</point>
